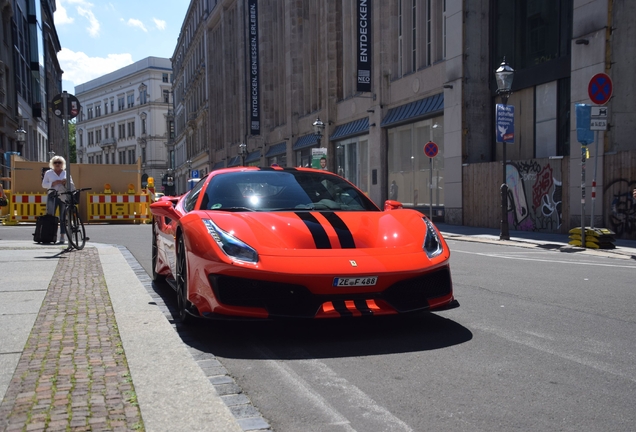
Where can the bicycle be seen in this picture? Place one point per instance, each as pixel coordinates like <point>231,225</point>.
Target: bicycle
<point>75,230</point>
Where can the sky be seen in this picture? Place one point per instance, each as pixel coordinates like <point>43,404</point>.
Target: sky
<point>98,37</point>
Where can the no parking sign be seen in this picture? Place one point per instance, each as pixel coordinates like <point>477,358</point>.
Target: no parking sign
<point>431,149</point>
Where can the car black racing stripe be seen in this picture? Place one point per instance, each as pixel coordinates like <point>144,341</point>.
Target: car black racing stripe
<point>344,234</point>
<point>321,239</point>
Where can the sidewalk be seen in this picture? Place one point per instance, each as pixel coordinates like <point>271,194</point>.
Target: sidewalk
<point>86,343</point>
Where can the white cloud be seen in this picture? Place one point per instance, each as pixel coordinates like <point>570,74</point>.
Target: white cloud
<point>79,68</point>
<point>60,16</point>
<point>132,22</point>
<point>93,28</point>
<point>161,24</point>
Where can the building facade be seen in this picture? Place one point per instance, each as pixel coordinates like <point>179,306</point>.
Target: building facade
<point>126,115</point>
<point>386,78</point>
<point>30,76</point>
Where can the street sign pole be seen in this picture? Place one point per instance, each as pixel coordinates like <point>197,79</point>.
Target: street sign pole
<point>66,141</point>
<point>583,152</point>
<point>594,179</point>
<point>431,188</point>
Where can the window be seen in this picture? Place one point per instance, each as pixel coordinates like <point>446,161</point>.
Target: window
<point>143,126</point>
<point>166,96</point>
<point>106,108</point>
<point>112,105</point>
<point>409,168</point>
<point>98,136</point>
<point>91,138</point>
<point>143,96</point>
<point>90,112</point>
<point>131,156</point>
<point>143,154</point>
<point>122,157</point>
<point>122,131</point>
<point>131,129</point>
<point>164,77</point>
<point>106,132</point>
<point>98,110</point>
<point>120,103</point>
<point>131,100</point>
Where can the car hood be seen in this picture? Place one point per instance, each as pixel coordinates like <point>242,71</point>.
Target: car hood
<point>320,233</point>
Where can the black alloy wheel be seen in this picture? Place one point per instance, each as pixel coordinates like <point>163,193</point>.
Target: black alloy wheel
<point>156,277</point>
<point>182,283</point>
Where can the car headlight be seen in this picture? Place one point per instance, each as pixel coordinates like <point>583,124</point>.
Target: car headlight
<point>233,247</point>
<point>432,244</point>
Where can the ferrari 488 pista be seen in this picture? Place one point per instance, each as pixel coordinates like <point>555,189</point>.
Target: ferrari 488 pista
<point>295,243</point>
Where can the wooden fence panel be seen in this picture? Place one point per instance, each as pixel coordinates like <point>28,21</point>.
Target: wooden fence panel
<point>619,180</point>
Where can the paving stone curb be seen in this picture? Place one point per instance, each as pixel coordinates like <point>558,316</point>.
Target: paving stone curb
<point>73,374</point>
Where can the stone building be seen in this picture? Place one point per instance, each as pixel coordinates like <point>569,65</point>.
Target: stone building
<point>387,77</point>
<point>30,76</point>
<point>126,115</point>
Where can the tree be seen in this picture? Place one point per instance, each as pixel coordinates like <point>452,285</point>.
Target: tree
<point>72,157</point>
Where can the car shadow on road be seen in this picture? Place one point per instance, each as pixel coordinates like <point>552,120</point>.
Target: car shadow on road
<point>297,339</point>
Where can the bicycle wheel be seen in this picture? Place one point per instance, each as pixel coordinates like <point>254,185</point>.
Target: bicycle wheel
<point>75,228</point>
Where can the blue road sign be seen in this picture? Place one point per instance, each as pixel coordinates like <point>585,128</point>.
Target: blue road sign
<point>584,134</point>
<point>505,123</point>
<point>194,174</point>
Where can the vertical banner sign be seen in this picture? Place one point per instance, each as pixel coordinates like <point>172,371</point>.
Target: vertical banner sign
<point>255,106</point>
<point>364,46</point>
<point>505,116</point>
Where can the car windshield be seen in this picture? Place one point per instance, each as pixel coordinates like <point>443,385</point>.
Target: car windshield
<point>289,190</point>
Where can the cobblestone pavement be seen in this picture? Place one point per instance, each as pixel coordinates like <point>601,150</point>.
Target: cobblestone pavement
<point>73,374</point>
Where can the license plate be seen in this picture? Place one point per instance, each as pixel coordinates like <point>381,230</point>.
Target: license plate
<point>359,281</point>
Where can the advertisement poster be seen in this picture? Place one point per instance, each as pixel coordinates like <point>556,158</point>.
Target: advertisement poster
<point>319,158</point>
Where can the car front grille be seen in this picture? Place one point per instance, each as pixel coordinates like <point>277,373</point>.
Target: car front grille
<point>296,301</point>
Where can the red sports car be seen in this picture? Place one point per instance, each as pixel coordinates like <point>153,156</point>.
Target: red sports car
<point>278,242</point>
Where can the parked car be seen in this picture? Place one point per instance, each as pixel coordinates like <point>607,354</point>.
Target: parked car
<point>276,242</point>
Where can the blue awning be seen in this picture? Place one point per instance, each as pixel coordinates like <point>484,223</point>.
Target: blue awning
<point>219,165</point>
<point>305,141</point>
<point>253,157</point>
<point>277,149</point>
<point>235,161</point>
<point>356,127</point>
<point>414,110</point>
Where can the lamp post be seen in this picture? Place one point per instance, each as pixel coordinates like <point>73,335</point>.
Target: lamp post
<point>189,164</point>
<point>20,136</point>
<point>319,127</point>
<point>504,76</point>
<point>242,151</point>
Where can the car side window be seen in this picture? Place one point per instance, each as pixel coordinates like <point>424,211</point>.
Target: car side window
<point>192,197</point>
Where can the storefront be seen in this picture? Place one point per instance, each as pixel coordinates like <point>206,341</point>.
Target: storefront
<point>414,178</point>
<point>351,144</point>
<point>277,154</point>
<point>302,149</point>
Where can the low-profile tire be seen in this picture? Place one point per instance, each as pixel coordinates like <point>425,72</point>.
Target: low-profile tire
<point>156,277</point>
<point>182,283</point>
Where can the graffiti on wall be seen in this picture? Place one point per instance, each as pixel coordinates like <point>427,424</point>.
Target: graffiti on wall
<point>621,216</point>
<point>535,193</point>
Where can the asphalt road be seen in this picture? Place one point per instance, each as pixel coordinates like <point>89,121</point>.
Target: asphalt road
<point>543,340</point>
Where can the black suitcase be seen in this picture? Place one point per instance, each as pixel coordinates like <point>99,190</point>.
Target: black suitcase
<point>46,229</point>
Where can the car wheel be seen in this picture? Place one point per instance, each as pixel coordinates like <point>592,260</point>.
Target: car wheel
<point>182,283</point>
<point>156,277</point>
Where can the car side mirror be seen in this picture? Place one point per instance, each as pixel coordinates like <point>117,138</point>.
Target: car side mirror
<point>392,205</point>
<point>164,208</point>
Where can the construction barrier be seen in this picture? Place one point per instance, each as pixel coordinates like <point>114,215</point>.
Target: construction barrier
<point>118,207</point>
<point>595,238</point>
<point>26,207</point>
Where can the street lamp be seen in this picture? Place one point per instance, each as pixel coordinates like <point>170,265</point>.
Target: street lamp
<point>504,76</point>
<point>189,164</point>
<point>242,151</point>
<point>319,126</point>
<point>20,136</point>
